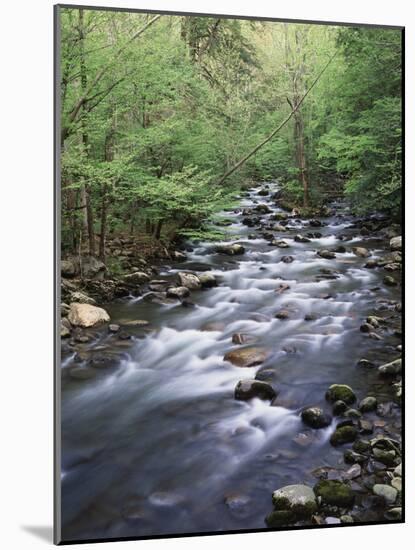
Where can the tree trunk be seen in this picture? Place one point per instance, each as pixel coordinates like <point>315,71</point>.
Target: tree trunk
<point>157,231</point>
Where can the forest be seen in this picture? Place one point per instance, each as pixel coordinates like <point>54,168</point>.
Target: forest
<point>158,111</point>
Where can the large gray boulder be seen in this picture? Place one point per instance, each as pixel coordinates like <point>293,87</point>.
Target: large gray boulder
<point>189,280</point>
<point>86,315</point>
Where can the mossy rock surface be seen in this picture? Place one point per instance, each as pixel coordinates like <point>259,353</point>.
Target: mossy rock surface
<point>298,499</point>
<point>340,392</point>
<point>345,434</point>
<point>334,493</point>
<point>278,518</point>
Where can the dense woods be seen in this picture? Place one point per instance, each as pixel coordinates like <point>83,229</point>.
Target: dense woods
<point>158,111</point>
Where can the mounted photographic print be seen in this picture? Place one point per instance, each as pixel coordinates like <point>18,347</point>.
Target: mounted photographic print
<point>229,274</point>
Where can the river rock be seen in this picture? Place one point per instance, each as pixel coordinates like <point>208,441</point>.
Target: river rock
<point>326,254</point>
<point>68,268</point>
<point>387,492</point>
<point>340,392</point>
<point>365,427</point>
<point>231,249</point>
<point>113,328</point>
<point>82,298</point>
<point>247,389</point>
<point>301,239</point>
<point>398,470</point>
<point>178,292</point>
<point>282,314</point>
<point>82,373</point>
<point>362,446</point>
<point>315,417</point>
<point>287,259</point>
<point>394,514</point>
<point>65,331</point>
<point>352,413</point>
<point>339,407</point>
<point>246,357</point>
<point>136,278</point>
<point>352,457</point>
<point>396,243</point>
<point>207,280</point>
<point>361,252</point>
<point>342,435</point>
<point>368,404</point>
<point>389,281</point>
<point>334,493</point>
<point>279,518</point>
<point>263,209</point>
<point>371,264</point>
<point>297,499</point>
<point>391,369</point>
<point>280,243</point>
<point>178,256</point>
<point>353,472</point>
<point>241,338</point>
<point>85,315</point>
<point>189,280</point>
<point>91,268</point>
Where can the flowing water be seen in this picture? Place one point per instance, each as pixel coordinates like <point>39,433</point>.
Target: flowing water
<point>157,444</point>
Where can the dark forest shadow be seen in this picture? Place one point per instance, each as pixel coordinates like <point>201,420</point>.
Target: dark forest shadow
<point>43,532</point>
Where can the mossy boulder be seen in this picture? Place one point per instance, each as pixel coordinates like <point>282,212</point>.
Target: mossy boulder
<point>340,392</point>
<point>298,499</point>
<point>342,435</point>
<point>315,417</point>
<point>334,493</point>
<point>279,518</point>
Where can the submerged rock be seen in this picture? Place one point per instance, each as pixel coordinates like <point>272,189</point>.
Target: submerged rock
<point>246,357</point>
<point>315,417</point>
<point>85,315</point>
<point>340,392</point>
<point>247,389</point>
<point>334,493</point>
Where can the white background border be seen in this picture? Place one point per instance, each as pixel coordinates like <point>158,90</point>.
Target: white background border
<point>26,299</point>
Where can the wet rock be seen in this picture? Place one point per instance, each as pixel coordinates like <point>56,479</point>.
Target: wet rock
<point>334,493</point>
<point>394,514</point>
<point>297,499</point>
<point>389,281</point>
<point>396,483</point>
<point>371,264</point>
<point>189,280</point>
<point>231,249</point>
<point>366,328</point>
<point>340,249</point>
<point>365,363</point>
<point>339,407</point>
<point>85,315</point>
<point>240,338</point>
<point>352,413</point>
<point>247,389</point>
<point>263,192</point>
<point>278,518</point>
<point>64,330</point>
<point>342,435</point>
<point>326,254</point>
<point>310,317</point>
<point>136,278</point>
<point>262,209</point>
<point>391,369</point>
<point>266,375</point>
<point>279,243</point>
<point>361,252</point>
<point>178,292</point>
<point>282,314</point>
<point>368,404</point>
<point>315,417</point>
<point>113,328</point>
<point>386,457</point>
<point>315,223</point>
<point>82,298</point>
<point>340,392</point>
<point>246,357</point>
<point>353,472</point>
<point>178,256</point>
<point>287,259</point>
<point>396,243</point>
<point>398,470</point>
<point>365,427</point>
<point>280,228</point>
<point>352,457</point>
<point>208,280</point>
<point>362,446</point>
<point>301,239</point>
<point>346,519</point>
<point>388,493</point>
<point>158,285</point>
<point>392,267</point>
